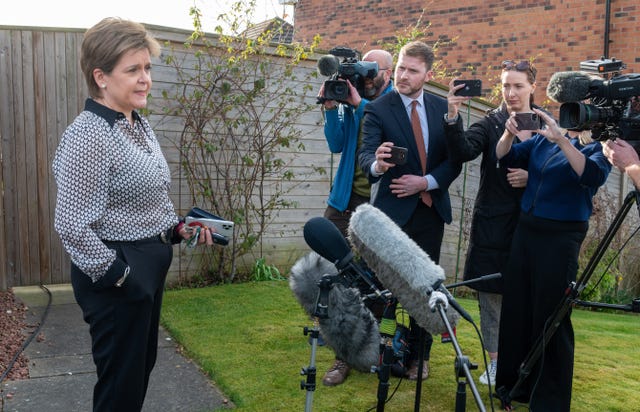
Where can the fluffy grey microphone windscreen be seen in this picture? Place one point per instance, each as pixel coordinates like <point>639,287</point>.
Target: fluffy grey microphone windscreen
<point>351,329</point>
<point>402,266</point>
<point>567,87</point>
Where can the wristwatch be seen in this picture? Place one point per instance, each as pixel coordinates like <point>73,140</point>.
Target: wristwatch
<point>450,121</point>
<point>120,281</point>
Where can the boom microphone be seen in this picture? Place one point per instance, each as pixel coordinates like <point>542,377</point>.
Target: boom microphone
<point>328,65</point>
<point>402,266</point>
<point>324,238</point>
<point>566,87</point>
<point>350,329</point>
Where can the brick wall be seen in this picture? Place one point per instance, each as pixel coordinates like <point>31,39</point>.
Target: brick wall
<point>558,34</point>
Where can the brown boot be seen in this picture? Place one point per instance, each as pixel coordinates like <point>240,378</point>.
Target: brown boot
<point>412,373</point>
<point>336,374</point>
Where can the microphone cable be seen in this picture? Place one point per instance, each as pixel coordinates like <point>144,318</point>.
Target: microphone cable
<point>386,401</point>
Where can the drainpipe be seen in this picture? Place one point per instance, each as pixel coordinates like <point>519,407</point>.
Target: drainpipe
<point>607,22</point>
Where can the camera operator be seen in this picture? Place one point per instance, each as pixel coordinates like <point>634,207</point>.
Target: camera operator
<point>621,153</point>
<point>623,156</point>
<point>350,187</point>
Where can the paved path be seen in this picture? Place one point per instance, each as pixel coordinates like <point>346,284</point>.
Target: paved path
<point>62,373</point>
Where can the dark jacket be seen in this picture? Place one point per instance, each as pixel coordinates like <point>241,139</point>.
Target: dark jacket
<point>386,120</point>
<point>554,190</point>
<point>497,204</point>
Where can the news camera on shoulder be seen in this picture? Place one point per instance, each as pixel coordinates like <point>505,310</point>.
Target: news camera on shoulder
<point>613,110</point>
<point>350,68</point>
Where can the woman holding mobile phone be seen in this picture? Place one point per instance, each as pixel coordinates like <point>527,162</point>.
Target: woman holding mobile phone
<point>113,212</point>
<point>565,173</point>
<point>497,204</point>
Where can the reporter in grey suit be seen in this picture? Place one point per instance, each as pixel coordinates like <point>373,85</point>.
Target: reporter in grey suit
<point>415,194</point>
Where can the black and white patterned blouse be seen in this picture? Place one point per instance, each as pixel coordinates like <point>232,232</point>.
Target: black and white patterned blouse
<point>113,184</point>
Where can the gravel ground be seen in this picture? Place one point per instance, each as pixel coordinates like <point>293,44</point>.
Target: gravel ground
<point>12,336</point>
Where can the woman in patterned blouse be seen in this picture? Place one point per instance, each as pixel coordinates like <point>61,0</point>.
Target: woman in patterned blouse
<point>113,212</point>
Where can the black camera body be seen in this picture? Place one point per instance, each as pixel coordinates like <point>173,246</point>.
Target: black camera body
<point>613,110</point>
<point>352,69</point>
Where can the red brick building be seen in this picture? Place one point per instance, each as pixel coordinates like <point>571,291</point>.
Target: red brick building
<point>557,33</point>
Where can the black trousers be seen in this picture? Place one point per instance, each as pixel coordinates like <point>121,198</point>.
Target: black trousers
<point>123,323</point>
<point>426,228</point>
<point>542,263</point>
<point>341,219</point>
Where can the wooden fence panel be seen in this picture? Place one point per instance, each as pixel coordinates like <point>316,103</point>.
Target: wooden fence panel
<point>42,91</point>
<point>5,114</point>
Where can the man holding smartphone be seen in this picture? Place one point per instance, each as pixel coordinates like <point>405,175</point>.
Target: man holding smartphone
<point>350,187</point>
<point>414,195</point>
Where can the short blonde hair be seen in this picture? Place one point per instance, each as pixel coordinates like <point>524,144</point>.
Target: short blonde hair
<point>105,43</point>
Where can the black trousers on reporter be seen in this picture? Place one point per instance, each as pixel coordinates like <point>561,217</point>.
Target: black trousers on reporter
<point>542,262</point>
<point>123,323</point>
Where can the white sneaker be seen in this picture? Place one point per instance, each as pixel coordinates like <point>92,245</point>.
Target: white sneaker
<point>489,374</point>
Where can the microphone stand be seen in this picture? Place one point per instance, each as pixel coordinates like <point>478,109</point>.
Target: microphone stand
<point>569,299</point>
<point>321,312</point>
<point>383,372</point>
<point>461,361</point>
<point>310,384</point>
<point>387,356</point>
<point>462,364</point>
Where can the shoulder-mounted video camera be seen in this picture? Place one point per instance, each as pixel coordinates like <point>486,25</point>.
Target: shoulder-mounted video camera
<point>613,108</point>
<point>350,68</point>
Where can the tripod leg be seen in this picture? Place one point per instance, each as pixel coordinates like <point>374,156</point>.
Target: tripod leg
<point>310,384</point>
<point>461,396</point>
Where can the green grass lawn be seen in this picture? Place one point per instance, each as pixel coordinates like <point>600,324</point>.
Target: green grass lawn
<point>249,339</point>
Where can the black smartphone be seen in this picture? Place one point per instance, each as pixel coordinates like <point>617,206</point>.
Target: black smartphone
<point>528,121</point>
<point>398,155</point>
<point>471,87</point>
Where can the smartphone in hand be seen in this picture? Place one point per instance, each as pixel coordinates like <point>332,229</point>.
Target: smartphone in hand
<point>528,121</point>
<point>223,227</point>
<point>398,155</point>
<point>471,88</point>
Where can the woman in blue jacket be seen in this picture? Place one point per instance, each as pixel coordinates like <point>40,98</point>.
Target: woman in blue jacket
<point>564,175</point>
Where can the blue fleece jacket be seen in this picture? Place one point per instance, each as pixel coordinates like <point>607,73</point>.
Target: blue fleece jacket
<point>341,129</point>
<point>554,190</point>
